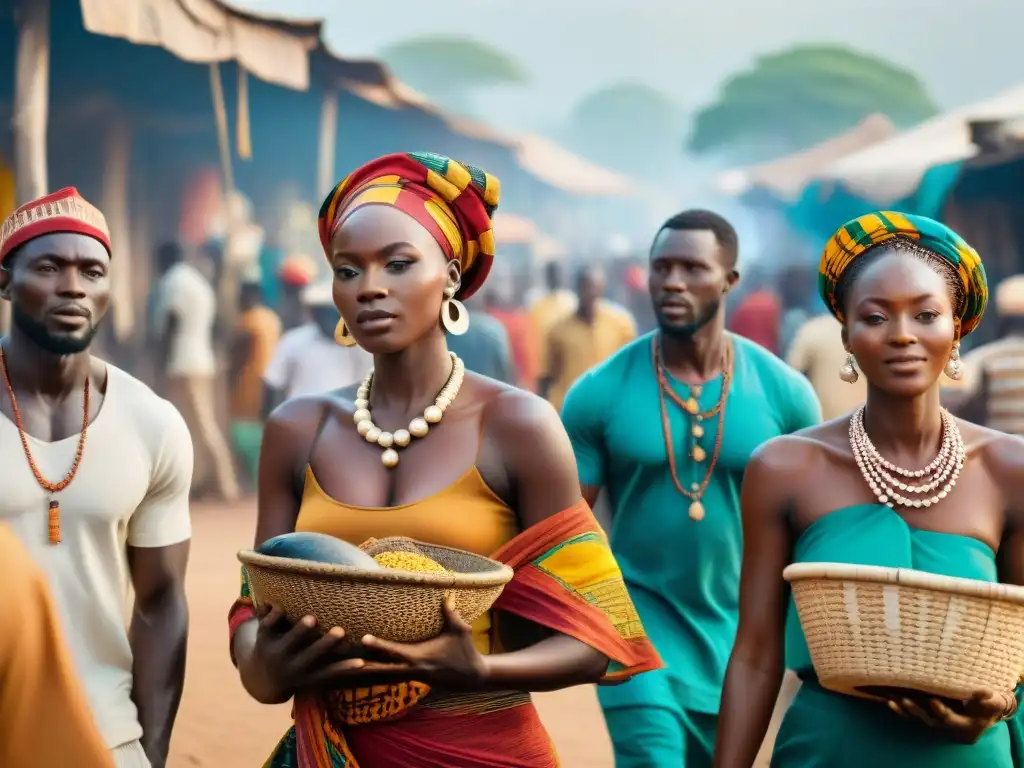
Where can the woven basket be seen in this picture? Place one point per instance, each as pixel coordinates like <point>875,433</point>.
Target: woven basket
<point>893,627</point>
<point>394,605</point>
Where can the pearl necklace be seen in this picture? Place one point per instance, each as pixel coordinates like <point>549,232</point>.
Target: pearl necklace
<point>418,427</point>
<point>886,480</point>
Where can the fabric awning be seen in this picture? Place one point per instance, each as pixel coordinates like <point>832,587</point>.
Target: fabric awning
<point>207,31</point>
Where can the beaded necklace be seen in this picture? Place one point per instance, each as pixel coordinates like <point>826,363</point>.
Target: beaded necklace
<point>53,517</point>
<point>692,407</point>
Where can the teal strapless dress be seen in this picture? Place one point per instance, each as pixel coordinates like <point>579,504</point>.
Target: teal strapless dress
<point>828,730</point>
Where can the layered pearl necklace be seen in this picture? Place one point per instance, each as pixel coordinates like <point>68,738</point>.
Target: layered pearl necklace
<point>418,427</point>
<point>887,481</point>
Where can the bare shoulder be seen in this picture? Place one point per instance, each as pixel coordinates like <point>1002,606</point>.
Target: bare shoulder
<point>300,416</point>
<point>1001,454</point>
<point>535,450</point>
<point>528,432</point>
<point>511,414</point>
<point>788,460</point>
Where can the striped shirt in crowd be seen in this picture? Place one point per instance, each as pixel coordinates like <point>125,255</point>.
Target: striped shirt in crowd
<point>999,367</point>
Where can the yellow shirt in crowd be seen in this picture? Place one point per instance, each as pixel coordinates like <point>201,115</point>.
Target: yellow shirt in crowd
<point>545,314</point>
<point>575,346</point>
<point>817,350</point>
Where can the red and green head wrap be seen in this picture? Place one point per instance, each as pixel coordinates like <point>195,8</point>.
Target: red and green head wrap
<point>452,201</point>
<point>857,237</point>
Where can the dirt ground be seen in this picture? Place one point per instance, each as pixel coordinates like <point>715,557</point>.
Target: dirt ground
<point>219,726</point>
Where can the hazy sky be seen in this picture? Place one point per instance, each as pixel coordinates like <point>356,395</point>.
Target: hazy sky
<point>964,51</point>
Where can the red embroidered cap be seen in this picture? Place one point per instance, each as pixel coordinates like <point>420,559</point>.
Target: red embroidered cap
<point>63,211</point>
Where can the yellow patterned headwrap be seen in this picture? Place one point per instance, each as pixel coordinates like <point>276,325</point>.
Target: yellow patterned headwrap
<point>452,201</point>
<point>857,237</point>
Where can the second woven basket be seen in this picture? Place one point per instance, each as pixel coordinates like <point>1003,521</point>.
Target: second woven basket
<point>869,626</point>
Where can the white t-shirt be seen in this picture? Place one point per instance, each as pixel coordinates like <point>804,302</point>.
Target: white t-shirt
<point>184,291</point>
<point>307,363</point>
<point>131,489</point>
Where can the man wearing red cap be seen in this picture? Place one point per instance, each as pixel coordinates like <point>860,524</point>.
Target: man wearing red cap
<point>96,476</point>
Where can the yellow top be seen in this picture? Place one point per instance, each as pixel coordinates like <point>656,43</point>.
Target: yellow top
<point>466,515</point>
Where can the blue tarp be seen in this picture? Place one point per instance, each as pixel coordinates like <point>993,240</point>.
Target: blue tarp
<point>824,206</point>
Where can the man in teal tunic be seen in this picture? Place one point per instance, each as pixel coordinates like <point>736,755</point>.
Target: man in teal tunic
<point>666,426</point>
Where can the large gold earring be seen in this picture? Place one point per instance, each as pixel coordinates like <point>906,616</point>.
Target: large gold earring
<point>848,372</point>
<point>342,336</point>
<point>454,315</point>
<point>954,368</point>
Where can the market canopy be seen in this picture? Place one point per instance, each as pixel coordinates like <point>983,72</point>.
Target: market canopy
<point>786,177</point>
<point>893,169</point>
<point>209,31</point>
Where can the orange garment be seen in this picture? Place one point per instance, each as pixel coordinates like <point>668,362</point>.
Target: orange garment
<point>523,340</point>
<point>44,718</point>
<point>263,326</point>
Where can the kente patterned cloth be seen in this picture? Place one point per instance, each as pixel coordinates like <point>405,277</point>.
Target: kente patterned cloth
<point>62,211</point>
<point>566,579</point>
<point>452,201</point>
<point>857,237</point>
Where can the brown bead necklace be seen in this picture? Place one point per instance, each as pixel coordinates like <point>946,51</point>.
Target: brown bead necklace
<point>53,519</point>
<point>696,492</point>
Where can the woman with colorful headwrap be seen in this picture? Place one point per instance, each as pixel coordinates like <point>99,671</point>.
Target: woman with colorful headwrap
<point>890,484</point>
<point>427,450</point>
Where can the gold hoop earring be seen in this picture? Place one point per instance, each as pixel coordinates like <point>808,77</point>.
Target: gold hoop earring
<point>342,336</point>
<point>454,316</point>
<point>848,372</point>
<point>954,368</point>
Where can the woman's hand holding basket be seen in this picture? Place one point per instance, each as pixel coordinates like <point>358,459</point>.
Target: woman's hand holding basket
<point>961,721</point>
<point>286,659</point>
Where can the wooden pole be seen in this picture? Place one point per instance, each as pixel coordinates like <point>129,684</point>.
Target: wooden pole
<point>116,208</point>
<point>220,114</point>
<point>31,98</point>
<point>31,103</point>
<point>227,291</point>
<point>326,159</point>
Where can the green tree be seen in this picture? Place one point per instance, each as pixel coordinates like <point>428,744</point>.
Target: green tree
<point>628,126</point>
<point>450,68</point>
<point>803,96</point>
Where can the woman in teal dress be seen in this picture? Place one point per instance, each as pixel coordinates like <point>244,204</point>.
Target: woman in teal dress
<point>906,289</point>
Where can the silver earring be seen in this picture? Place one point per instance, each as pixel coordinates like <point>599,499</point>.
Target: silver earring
<point>848,372</point>
<point>954,368</point>
<point>454,315</point>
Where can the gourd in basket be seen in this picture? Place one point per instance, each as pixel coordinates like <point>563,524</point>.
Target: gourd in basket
<point>391,588</point>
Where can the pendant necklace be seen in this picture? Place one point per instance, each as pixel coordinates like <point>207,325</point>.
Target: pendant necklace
<point>53,516</point>
<point>691,406</point>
